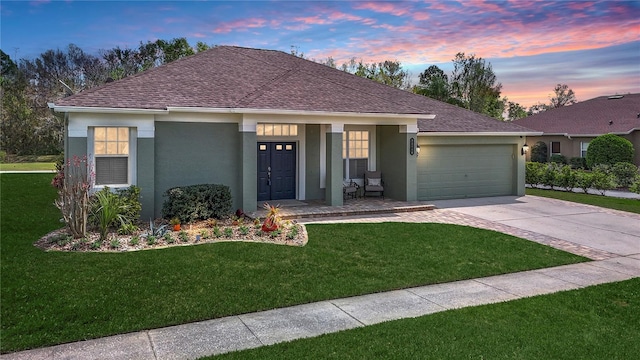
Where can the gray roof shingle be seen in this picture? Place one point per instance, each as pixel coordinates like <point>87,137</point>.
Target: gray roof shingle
<point>244,78</point>
<point>602,115</point>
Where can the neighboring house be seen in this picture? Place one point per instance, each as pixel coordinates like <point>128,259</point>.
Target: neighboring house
<point>274,126</point>
<point>568,130</point>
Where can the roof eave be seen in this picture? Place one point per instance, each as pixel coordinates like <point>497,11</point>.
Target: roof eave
<point>297,112</point>
<point>105,110</point>
<point>478,133</point>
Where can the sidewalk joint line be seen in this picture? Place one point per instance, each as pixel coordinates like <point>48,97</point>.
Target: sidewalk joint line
<point>349,315</point>
<point>153,348</point>
<point>251,331</point>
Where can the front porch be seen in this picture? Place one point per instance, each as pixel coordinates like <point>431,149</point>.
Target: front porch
<point>297,209</point>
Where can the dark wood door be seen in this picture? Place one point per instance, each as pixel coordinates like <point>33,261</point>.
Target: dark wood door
<point>276,170</point>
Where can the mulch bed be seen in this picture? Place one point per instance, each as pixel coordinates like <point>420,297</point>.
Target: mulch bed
<point>201,232</point>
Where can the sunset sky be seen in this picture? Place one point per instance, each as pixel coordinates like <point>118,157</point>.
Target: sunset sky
<point>592,46</point>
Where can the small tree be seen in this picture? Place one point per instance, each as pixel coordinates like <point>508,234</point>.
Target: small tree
<point>74,185</point>
<point>539,152</point>
<point>609,149</point>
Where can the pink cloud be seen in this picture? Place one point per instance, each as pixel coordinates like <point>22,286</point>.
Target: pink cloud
<point>380,7</point>
<point>240,25</point>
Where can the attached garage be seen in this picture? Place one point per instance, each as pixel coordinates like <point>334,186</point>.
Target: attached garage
<point>461,167</point>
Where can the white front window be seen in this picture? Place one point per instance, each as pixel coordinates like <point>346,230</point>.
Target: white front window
<point>555,148</point>
<point>355,153</point>
<point>277,130</point>
<point>111,155</point>
<point>583,149</point>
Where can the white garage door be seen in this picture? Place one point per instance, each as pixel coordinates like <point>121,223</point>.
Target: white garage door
<point>460,171</point>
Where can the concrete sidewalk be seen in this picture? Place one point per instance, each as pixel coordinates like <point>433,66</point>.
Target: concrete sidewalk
<point>191,341</point>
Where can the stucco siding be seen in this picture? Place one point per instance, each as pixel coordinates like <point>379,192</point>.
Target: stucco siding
<point>196,153</point>
<point>312,154</point>
<point>397,166</point>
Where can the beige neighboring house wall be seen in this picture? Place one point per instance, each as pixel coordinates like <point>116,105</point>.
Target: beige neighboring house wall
<point>586,120</point>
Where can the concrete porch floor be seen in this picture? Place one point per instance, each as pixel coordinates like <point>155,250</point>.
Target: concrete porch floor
<point>300,209</point>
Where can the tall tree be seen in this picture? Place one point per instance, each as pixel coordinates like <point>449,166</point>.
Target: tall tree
<point>515,111</point>
<point>388,72</point>
<point>474,84</point>
<point>434,83</point>
<point>563,96</point>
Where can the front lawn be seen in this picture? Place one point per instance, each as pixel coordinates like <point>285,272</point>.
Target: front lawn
<point>599,322</point>
<point>55,297</point>
<point>31,166</point>
<point>630,205</point>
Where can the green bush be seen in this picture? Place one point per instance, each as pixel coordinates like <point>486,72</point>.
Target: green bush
<point>603,180</point>
<point>549,174</point>
<point>624,174</point>
<point>197,202</point>
<point>539,152</point>
<point>578,162</point>
<point>131,198</point>
<point>533,173</point>
<point>609,149</point>
<point>107,211</point>
<point>566,178</point>
<point>3,156</point>
<point>584,180</point>
<point>558,159</point>
<point>635,187</point>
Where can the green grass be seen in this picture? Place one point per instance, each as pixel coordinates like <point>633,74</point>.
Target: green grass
<point>630,205</point>
<point>599,322</point>
<point>32,166</point>
<point>54,297</point>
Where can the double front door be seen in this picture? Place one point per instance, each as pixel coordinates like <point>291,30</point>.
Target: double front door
<point>276,170</point>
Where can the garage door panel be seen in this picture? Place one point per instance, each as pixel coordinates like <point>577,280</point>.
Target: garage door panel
<point>459,171</point>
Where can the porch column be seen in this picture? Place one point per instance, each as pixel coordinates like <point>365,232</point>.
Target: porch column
<point>333,195</point>
<point>398,165</point>
<point>248,166</point>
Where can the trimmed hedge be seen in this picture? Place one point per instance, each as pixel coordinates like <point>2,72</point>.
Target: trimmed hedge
<point>601,178</point>
<point>197,202</point>
<point>609,149</point>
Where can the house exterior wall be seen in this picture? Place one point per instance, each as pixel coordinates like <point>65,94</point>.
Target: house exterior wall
<point>397,166</point>
<point>570,147</point>
<point>312,155</point>
<point>197,153</point>
<point>634,137</point>
<point>146,176</point>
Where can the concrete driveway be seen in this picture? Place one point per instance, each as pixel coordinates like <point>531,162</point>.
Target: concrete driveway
<point>613,231</point>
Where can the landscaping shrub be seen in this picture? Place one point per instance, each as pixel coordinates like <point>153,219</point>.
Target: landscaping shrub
<point>558,159</point>
<point>578,162</point>
<point>609,149</point>
<point>603,180</point>
<point>624,173</point>
<point>197,202</point>
<point>584,180</point>
<point>131,198</point>
<point>533,173</point>
<point>566,178</point>
<point>635,187</point>
<point>121,208</point>
<point>3,156</point>
<point>73,182</point>
<point>539,152</point>
<point>549,174</point>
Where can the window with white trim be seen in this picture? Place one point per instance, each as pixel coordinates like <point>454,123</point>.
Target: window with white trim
<point>111,155</point>
<point>355,153</point>
<point>583,149</point>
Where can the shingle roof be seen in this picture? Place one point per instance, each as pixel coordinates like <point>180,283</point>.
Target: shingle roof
<point>602,115</point>
<point>244,78</point>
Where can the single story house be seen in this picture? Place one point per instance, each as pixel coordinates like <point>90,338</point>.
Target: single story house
<point>273,126</point>
<point>568,130</point>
